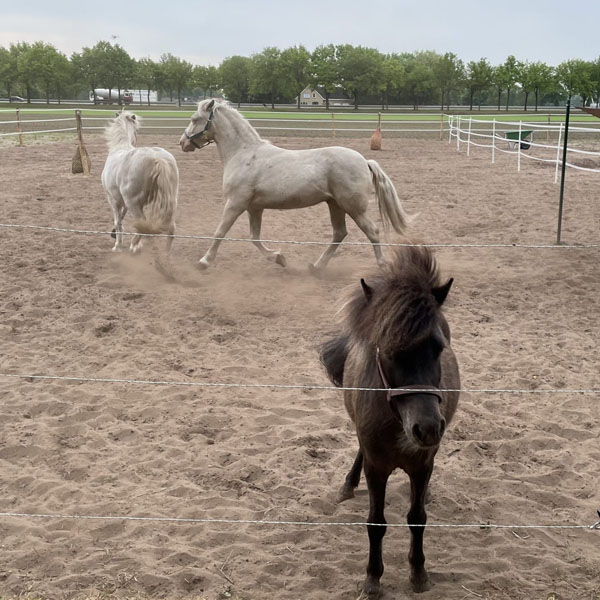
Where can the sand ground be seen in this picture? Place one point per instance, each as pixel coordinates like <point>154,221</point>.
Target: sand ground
<point>521,318</point>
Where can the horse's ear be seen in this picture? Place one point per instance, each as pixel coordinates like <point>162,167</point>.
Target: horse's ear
<point>368,291</point>
<point>440,293</point>
<point>210,105</point>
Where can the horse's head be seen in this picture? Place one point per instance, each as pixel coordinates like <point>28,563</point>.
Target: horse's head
<point>122,130</point>
<point>199,132</point>
<point>409,332</point>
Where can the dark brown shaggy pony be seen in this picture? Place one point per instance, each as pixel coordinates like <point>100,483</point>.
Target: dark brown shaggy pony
<point>396,336</point>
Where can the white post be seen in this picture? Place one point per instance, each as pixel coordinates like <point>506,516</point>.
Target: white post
<point>458,133</point>
<point>519,147</point>
<point>469,136</point>
<point>450,126</point>
<point>493,141</point>
<point>558,152</point>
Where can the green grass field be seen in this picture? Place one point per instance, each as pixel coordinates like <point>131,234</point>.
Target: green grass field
<point>184,112</point>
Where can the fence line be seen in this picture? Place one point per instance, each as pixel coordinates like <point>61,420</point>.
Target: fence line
<point>483,526</point>
<point>304,243</point>
<point>281,386</point>
<point>463,134</point>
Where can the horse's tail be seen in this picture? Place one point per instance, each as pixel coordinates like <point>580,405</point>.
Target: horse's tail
<point>333,356</point>
<point>390,209</point>
<point>159,209</point>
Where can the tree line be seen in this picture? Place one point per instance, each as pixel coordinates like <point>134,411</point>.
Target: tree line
<point>364,75</point>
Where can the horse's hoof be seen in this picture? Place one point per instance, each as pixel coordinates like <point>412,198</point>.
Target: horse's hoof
<point>371,589</point>
<point>280,259</point>
<point>116,249</point>
<point>203,264</point>
<point>420,583</point>
<point>346,492</point>
<point>315,271</point>
<point>113,234</point>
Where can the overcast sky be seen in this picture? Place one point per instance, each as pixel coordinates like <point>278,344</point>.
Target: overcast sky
<point>206,32</point>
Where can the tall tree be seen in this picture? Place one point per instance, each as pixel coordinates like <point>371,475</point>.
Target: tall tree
<point>235,78</point>
<point>8,70</point>
<point>361,71</point>
<point>296,62</point>
<point>419,78</point>
<point>41,65</point>
<point>325,70</point>
<point>449,72</point>
<point>575,77</point>
<point>509,72</point>
<point>267,76</point>
<point>541,78</point>
<point>177,72</point>
<point>393,76</point>
<point>479,76</point>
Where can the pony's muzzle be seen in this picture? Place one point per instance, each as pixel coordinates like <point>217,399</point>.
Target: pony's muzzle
<point>429,433</point>
<point>185,144</point>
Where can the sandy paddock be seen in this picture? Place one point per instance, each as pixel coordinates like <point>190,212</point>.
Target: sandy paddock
<point>521,318</point>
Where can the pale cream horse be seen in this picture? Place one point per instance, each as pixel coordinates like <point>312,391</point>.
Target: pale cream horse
<point>259,175</point>
<point>143,181</point>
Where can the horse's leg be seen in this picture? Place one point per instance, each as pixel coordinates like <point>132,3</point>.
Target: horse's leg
<point>372,232</point>
<point>338,224</point>
<point>352,479</point>
<point>170,231</point>
<point>376,480</point>
<point>419,481</point>
<point>230,215</point>
<point>255,219</point>
<point>118,209</point>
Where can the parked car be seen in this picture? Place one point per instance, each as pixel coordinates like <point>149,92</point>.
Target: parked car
<point>17,99</point>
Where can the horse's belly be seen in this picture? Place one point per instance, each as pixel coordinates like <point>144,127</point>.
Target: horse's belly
<point>283,198</point>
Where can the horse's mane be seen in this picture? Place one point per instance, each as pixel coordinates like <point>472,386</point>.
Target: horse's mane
<point>239,123</point>
<point>402,310</point>
<point>121,132</point>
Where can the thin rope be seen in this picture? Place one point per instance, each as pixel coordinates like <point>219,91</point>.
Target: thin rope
<point>594,526</point>
<point>278,386</point>
<point>302,243</point>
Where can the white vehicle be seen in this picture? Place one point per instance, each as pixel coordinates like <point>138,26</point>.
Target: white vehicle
<point>104,96</point>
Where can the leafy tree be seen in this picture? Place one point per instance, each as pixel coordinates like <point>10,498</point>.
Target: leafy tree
<point>296,62</point>
<point>393,77</point>
<point>94,66</point>
<point>595,75</point>
<point>177,73</point>
<point>507,75</point>
<point>449,72</point>
<point>361,70</point>
<point>325,69</point>
<point>419,79</point>
<point>24,76</point>
<point>479,76</point>
<point>235,77</point>
<point>41,64</point>
<point>268,75</point>
<point>541,78</point>
<point>8,70</point>
<point>148,74</point>
<point>122,67</point>
<point>575,77</point>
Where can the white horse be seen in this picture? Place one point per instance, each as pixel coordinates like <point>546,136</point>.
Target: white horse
<point>258,175</point>
<point>144,181</point>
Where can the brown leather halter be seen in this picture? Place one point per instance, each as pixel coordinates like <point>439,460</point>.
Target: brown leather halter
<point>406,390</point>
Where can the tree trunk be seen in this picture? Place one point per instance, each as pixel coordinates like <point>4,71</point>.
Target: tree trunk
<point>28,89</point>
<point>526,97</point>
<point>507,98</point>
<point>499,97</point>
<point>326,100</point>
<point>299,100</point>
<point>471,98</point>
<point>536,100</point>
<point>148,95</point>
<point>179,96</point>
<point>272,101</point>
<point>48,95</point>
<point>442,106</point>
<point>355,100</point>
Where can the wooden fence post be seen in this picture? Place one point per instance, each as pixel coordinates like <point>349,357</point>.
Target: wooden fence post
<point>19,127</point>
<point>82,150</point>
